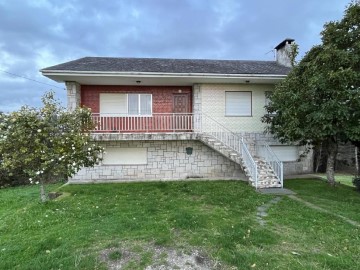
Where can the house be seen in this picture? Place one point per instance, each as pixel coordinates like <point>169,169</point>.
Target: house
<point>181,118</point>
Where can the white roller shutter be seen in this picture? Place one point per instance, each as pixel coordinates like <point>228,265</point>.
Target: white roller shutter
<point>286,152</point>
<point>113,104</point>
<point>124,156</point>
<point>238,103</point>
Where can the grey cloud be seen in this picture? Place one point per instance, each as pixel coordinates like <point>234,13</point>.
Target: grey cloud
<point>58,31</point>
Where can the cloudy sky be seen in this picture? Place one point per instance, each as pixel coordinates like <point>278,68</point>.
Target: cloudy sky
<point>35,34</point>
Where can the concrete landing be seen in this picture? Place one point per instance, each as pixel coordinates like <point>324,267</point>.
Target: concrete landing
<point>276,191</point>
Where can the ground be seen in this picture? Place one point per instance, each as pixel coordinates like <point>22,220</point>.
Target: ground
<point>181,225</point>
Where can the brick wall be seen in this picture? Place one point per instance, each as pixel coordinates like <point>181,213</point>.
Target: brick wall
<point>162,96</point>
<point>165,160</point>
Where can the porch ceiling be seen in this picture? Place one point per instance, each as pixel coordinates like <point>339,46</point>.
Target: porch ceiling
<point>95,78</point>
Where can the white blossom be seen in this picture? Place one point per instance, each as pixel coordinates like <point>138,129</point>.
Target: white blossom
<point>39,130</point>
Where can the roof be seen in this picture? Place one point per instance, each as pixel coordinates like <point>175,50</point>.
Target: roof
<point>161,65</point>
<point>285,41</point>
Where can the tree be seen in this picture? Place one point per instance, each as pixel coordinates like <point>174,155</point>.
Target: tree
<point>47,144</point>
<point>319,101</point>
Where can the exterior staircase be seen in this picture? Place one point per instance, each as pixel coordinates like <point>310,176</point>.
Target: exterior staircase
<point>262,172</point>
<point>267,178</point>
<point>221,148</point>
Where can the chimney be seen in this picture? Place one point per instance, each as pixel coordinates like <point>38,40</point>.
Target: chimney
<point>283,52</point>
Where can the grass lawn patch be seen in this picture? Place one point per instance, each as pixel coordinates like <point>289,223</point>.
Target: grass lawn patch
<point>208,224</point>
<point>342,178</point>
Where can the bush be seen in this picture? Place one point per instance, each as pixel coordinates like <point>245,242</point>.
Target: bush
<point>17,179</point>
<point>356,182</point>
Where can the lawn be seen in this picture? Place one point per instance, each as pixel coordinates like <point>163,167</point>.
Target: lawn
<point>342,178</point>
<point>96,226</point>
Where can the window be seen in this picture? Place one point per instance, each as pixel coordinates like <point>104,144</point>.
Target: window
<point>124,156</point>
<point>267,100</point>
<point>115,104</point>
<point>238,104</point>
<point>267,97</point>
<point>139,104</point>
<point>285,152</point>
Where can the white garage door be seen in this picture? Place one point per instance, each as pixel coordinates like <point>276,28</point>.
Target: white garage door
<point>285,152</point>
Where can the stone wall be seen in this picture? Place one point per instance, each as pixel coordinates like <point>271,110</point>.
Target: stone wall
<point>166,160</point>
<point>73,95</point>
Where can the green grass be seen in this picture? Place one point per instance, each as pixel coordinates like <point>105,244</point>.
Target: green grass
<point>342,178</point>
<point>217,217</point>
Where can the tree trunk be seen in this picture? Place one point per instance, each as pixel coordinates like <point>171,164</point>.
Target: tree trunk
<point>42,193</point>
<point>318,158</point>
<point>357,160</point>
<point>330,165</point>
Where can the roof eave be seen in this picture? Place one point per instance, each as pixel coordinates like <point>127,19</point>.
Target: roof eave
<point>71,73</point>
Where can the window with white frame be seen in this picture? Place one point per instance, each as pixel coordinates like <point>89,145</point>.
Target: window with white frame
<point>267,97</point>
<point>114,104</point>
<point>238,103</point>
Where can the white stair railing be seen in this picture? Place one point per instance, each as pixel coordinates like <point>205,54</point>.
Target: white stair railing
<point>213,128</point>
<point>249,162</point>
<point>270,157</point>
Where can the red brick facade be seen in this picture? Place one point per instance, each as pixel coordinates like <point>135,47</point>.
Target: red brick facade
<point>162,96</point>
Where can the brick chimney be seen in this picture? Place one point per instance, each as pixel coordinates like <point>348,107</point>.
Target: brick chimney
<point>282,52</point>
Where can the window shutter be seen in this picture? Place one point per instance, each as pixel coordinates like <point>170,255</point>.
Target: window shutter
<point>113,104</point>
<point>238,104</point>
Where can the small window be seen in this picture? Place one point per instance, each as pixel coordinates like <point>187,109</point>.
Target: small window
<point>125,156</point>
<point>238,104</point>
<point>267,100</point>
<point>267,97</point>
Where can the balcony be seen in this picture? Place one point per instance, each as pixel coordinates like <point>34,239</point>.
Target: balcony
<point>155,123</point>
<point>158,126</point>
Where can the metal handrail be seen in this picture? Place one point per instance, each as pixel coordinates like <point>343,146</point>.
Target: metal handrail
<point>249,163</point>
<point>213,128</point>
<point>276,164</point>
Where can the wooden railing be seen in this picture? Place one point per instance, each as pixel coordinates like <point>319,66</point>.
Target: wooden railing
<point>157,122</point>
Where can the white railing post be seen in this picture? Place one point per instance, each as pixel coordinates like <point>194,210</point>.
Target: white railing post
<point>277,166</point>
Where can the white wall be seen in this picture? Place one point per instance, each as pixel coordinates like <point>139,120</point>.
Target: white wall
<point>213,104</point>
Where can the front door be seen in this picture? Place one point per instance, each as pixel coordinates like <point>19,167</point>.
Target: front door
<point>181,103</point>
<point>182,120</point>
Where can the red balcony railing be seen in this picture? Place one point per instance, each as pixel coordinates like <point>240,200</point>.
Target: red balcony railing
<point>157,122</point>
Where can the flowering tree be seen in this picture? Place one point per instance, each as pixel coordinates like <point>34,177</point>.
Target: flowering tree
<point>47,144</point>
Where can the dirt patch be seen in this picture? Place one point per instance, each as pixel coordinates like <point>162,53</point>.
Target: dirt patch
<point>152,257</point>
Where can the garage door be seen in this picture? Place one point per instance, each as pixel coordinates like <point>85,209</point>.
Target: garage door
<point>285,152</point>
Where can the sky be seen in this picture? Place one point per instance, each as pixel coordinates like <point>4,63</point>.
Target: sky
<point>35,34</point>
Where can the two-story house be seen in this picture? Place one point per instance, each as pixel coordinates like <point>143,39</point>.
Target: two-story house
<point>168,119</point>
